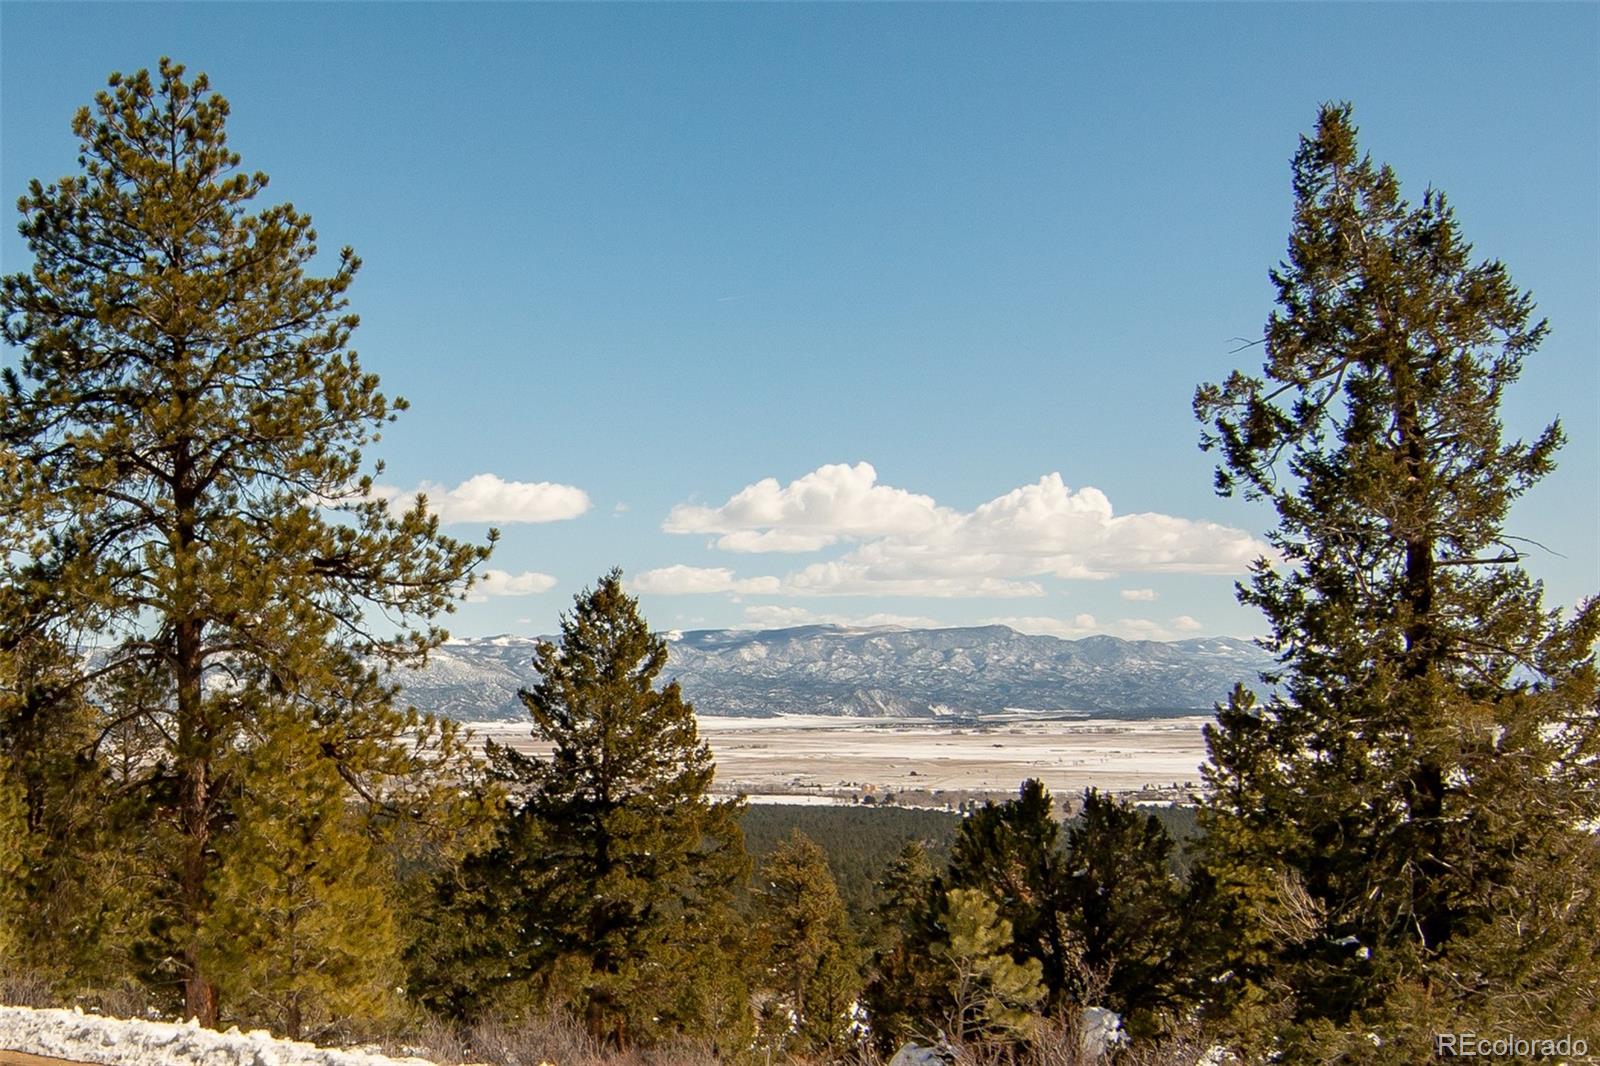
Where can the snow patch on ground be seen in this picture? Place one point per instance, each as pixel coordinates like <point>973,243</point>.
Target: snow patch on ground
<point>71,1034</point>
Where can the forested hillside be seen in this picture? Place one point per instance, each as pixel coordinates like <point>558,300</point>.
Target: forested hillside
<point>860,842</point>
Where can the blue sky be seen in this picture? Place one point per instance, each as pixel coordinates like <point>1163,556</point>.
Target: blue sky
<point>859,313</point>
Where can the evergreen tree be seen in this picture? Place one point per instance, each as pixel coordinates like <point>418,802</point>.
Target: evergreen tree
<point>991,995</point>
<point>185,393</point>
<point>1100,913</point>
<point>811,958</point>
<point>1012,853</point>
<point>1123,908</point>
<point>475,948</point>
<point>971,946</point>
<point>1402,842</point>
<point>302,923</point>
<point>51,797</point>
<point>906,987</point>
<point>613,875</point>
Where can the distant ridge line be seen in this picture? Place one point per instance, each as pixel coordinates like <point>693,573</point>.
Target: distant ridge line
<point>957,673</point>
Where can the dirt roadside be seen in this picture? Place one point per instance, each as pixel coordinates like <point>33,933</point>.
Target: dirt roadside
<point>22,1058</point>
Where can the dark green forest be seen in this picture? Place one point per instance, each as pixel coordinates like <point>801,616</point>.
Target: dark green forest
<point>861,842</point>
<point>228,813</point>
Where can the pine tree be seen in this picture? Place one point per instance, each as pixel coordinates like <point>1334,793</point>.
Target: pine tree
<point>303,924</point>
<point>992,995</point>
<point>810,953</point>
<point>1124,909</point>
<point>475,947</point>
<point>1012,853</point>
<point>1402,840</point>
<point>186,392</point>
<point>905,988</point>
<point>614,872</point>
<point>49,798</point>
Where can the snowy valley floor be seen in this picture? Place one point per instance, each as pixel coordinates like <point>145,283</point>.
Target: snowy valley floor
<point>788,758</point>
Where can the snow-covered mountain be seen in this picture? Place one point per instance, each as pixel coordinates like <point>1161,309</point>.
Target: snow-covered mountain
<point>984,672</point>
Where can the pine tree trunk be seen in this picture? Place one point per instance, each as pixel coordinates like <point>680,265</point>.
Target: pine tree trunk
<point>199,994</point>
<point>194,761</point>
<point>1425,786</point>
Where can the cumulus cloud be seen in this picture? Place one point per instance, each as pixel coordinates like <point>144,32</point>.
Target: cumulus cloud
<point>826,579</point>
<point>773,540</point>
<point>904,544</point>
<point>502,583</point>
<point>680,580</point>
<point>490,498</point>
<point>856,575</point>
<point>776,616</point>
<point>809,513</point>
<point>1140,595</point>
<point>1047,528</point>
<point>1086,625</point>
<point>1079,625</point>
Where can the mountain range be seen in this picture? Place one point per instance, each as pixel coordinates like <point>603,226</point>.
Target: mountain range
<point>970,674</point>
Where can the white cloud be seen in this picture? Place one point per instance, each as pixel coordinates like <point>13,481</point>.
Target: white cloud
<point>855,576</point>
<point>776,616</point>
<point>489,498</point>
<point>680,580</point>
<point>903,544</point>
<point>809,513</point>
<point>1140,595</point>
<point>1045,528</point>
<point>502,583</point>
<point>825,579</point>
<point>773,540</point>
<point>1080,625</point>
<point>1086,625</point>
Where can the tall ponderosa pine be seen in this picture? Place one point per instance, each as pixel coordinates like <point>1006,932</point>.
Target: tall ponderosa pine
<point>185,391</point>
<point>615,872</point>
<point>1403,841</point>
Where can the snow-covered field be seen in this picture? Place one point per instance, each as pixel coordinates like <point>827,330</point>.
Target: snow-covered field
<point>772,756</point>
<point>73,1035</point>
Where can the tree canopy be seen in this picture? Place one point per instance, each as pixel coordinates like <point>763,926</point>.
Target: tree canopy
<point>1421,797</point>
<point>184,498</point>
<point>809,953</point>
<point>612,877</point>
